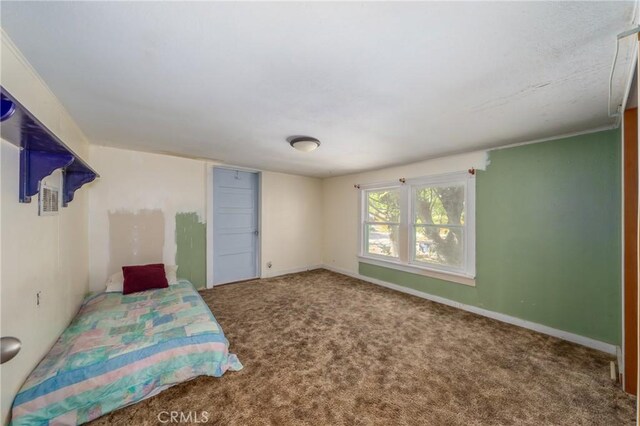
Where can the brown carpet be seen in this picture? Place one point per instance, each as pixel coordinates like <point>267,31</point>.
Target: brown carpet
<point>320,348</point>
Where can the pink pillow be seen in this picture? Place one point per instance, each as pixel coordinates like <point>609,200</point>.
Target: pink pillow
<point>143,277</point>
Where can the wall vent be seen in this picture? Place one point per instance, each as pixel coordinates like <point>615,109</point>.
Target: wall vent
<point>48,200</point>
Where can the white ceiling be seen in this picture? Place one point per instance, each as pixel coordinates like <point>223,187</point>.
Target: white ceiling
<point>378,83</point>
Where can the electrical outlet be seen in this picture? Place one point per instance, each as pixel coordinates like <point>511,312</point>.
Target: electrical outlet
<point>38,298</point>
<point>269,264</point>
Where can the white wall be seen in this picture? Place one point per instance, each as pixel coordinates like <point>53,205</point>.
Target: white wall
<point>133,181</point>
<point>340,203</point>
<point>291,223</point>
<point>38,254</point>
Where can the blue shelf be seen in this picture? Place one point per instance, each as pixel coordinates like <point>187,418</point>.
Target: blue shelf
<point>41,152</point>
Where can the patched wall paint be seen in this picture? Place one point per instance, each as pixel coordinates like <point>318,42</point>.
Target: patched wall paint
<point>191,248</point>
<point>547,237</point>
<point>135,238</point>
<point>134,184</point>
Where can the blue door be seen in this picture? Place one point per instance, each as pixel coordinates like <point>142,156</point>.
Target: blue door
<point>235,225</point>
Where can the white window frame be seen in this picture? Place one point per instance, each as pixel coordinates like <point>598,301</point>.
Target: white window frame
<point>364,214</point>
<point>405,261</point>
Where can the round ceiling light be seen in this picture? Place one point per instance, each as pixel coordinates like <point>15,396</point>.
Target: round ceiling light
<point>304,143</point>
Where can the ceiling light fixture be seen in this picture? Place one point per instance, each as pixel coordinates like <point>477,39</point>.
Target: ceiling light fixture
<point>304,143</point>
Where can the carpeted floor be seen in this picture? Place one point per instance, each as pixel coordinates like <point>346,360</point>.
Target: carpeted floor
<point>320,348</point>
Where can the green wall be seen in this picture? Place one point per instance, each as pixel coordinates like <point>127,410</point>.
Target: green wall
<point>191,248</point>
<point>548,237</point>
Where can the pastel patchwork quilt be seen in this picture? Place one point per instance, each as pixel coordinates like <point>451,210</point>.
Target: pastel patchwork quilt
<point>121,349</point>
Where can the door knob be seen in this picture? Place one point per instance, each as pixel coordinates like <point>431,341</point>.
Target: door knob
<point>9,347</point>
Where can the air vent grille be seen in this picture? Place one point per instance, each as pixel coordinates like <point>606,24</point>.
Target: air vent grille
<point>49,200</point>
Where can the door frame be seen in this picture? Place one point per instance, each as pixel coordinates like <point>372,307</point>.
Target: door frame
<point>210,215</point>
<point>629,363</point>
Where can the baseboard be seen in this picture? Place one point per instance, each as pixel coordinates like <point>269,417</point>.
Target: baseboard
<point>271,274</point>
<point>564,335</point>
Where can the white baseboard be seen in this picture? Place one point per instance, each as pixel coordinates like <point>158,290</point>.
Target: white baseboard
<point>279,272</point>
<point>564,335</point>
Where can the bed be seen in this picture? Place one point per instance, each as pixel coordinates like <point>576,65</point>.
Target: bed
<point>120,349</point>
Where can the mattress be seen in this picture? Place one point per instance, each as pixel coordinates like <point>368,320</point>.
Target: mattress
<point>121,349</point>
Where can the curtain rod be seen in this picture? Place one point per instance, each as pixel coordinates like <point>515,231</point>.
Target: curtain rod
<point>471,171</point>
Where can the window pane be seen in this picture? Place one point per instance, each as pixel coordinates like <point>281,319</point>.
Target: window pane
<point>383,206</point>
<point>382,239</point>
<point>440,205</point>
<point>439,245</point>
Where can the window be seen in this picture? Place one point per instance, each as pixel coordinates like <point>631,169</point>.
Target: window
<point>438,224</point>
<point>382,222</point>
<point>425,224</point>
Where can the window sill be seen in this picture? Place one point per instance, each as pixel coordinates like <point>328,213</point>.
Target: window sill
<point>419,270</point>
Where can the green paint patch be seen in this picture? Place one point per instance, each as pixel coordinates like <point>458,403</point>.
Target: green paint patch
<point>548,237</point>
<point>191,248</point>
